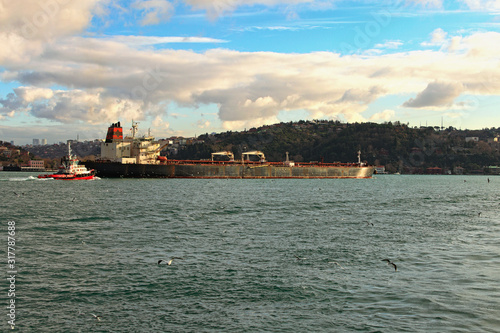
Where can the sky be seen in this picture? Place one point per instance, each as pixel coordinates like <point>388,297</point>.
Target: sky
<point>70,68</point>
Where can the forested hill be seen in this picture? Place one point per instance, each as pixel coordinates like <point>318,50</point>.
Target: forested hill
<point>396,146</point>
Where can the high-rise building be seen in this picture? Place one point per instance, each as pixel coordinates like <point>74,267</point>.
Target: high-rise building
<point>36,142</point>
<point>44,141</point>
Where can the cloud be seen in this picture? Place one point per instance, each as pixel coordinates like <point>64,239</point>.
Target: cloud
<point>154,11</point>
<point>34,19</point>
<point>216,8</point>
<point>92,106</point>
<point>159,124</point>
<point>476,5</point>
<point>102,80</point>
<point>137,41</point>
<point>360,96</point>
<point>32,94</point>
<point>438,36</point>
<point>436,94</point>
<point>27,25</point>
<point>203,124</point>
<point>392,44</point>
<point>427,3</point>
<point>384,115</point>
<point>483,5</point>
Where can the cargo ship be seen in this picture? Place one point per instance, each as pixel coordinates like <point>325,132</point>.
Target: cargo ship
<point>139,157</point>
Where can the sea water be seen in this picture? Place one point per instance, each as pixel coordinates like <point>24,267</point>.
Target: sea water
<point>257,255</point>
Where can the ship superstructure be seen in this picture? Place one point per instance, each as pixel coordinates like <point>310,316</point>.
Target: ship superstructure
<point>129,149</point>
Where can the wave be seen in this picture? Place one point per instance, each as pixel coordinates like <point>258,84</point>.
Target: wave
<point>19,179</point>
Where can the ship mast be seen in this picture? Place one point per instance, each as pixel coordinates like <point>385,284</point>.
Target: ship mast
<point>134,128</point>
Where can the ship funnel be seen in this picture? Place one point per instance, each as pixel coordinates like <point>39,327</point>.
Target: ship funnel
<point>115,132</point>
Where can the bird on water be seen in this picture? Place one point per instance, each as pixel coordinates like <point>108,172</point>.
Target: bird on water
<point>336,263</point>
<point>96,317</point>
<point>169,262</point>
<point>391,263</point>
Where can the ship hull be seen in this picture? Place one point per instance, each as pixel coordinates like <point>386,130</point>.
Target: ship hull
<point>67,177</point>
<point>249,171</point>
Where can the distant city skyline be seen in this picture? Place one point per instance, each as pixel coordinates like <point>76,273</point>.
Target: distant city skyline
<point>189,67</point>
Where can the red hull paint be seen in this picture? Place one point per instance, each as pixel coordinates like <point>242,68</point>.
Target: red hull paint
<point>250,177</point>
<point>67,177</point>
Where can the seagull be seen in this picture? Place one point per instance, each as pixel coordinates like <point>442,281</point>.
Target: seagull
<point>479,214</point>
<point>336,263</point>
<point>369,223</point>
<point>299,258</point>
<point>96,317</point>
<point>391,263</point>
<point>170,261</point>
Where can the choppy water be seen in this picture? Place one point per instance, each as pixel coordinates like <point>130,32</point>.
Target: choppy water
<point>87,247</point>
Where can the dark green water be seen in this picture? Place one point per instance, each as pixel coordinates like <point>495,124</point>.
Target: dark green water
<point>86,247</point>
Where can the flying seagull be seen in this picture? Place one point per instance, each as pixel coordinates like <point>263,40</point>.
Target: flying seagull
<point>299,258</point>
<point>391,263</point>
<point>96,317</point>
<point>336,263</point>
<point>170,261</point>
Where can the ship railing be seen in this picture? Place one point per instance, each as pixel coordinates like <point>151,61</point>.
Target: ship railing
<point>257,163</point>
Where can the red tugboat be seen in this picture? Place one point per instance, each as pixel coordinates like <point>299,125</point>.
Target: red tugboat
<point>70,169</point>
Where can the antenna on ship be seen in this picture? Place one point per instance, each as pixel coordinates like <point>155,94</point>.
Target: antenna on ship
<point>359,157</point>
<point>134,128</point>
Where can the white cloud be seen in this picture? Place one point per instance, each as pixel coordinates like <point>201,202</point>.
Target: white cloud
<point>483,5</point>
<point>392,44</point>
<point>136,41</point>
<point>385,115</point>
<point>438,36</point>
<point>154,11</point>
<point>28,24</point>
<point>32,94</point>
<point>427,3</point>
<point>203,124</point>
<point>115,79</point>
<point>159,124</point>
<point>35,19</point>
<point>216,8</point>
